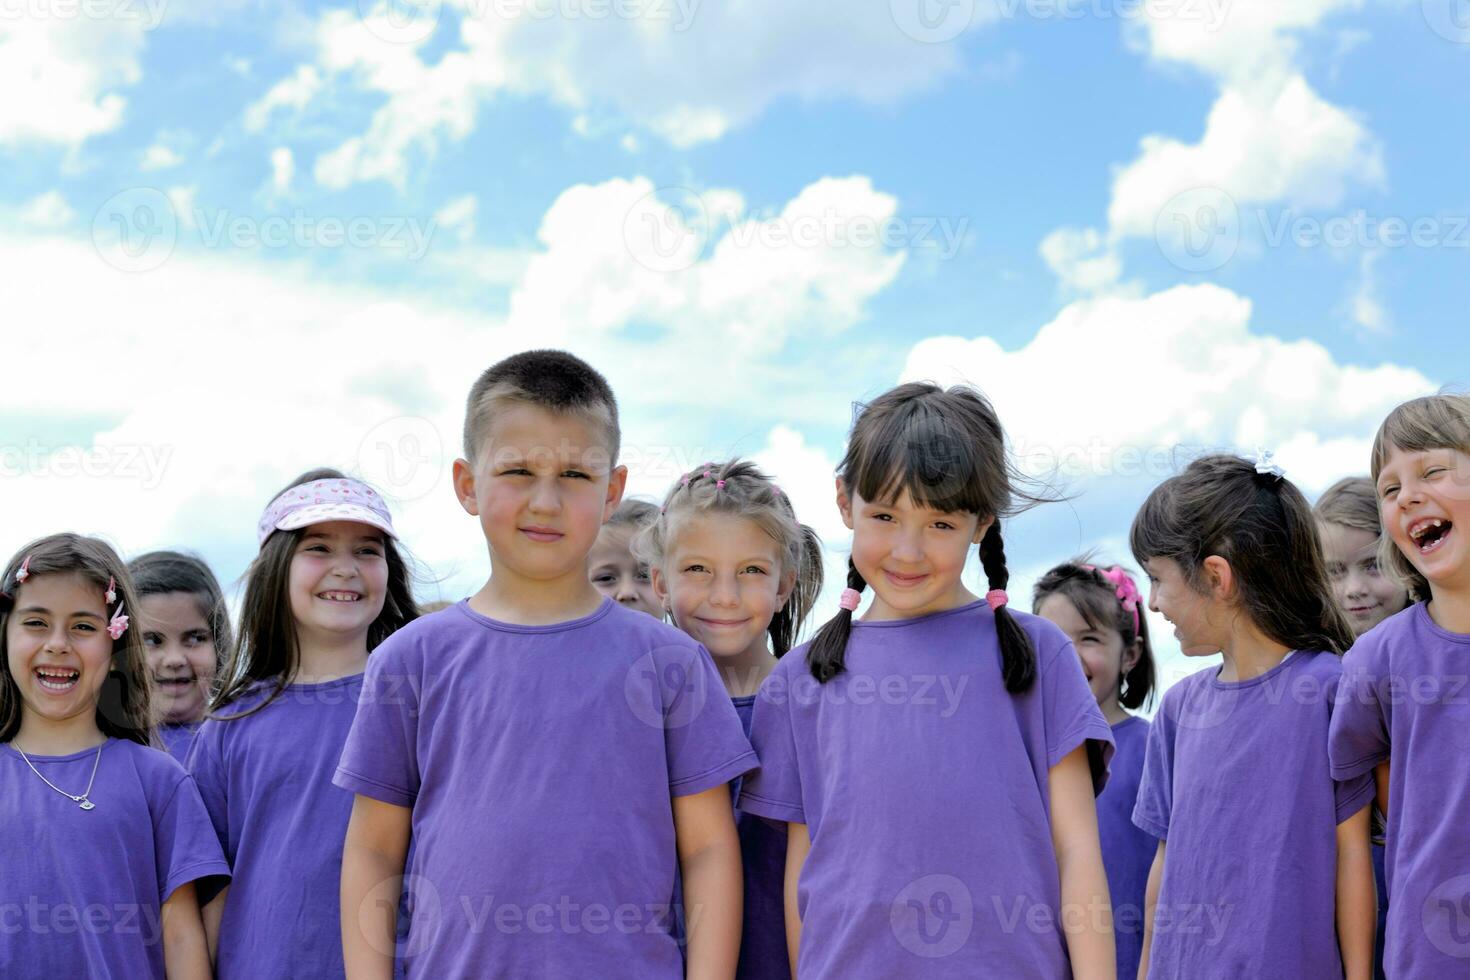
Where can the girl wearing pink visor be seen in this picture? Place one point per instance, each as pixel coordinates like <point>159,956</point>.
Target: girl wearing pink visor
<point>328,585</point>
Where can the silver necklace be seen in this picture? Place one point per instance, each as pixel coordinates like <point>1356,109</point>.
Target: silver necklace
<point>80,801</point>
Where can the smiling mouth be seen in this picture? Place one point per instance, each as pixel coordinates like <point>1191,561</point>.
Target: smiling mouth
<point>723,623</point>
<point>542,534</point>
<point>1429,534</point>
<point>898,578</point>
<point>59,679</point>
<point>335,596</point>
<point>174,683</point>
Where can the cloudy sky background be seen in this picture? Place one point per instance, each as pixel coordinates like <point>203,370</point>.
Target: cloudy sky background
<point>241,239</point>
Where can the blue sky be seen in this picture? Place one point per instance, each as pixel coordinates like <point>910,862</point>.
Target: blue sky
<point>1031,174</point>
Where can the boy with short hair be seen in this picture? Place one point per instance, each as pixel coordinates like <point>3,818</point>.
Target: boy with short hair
<point>550,753</point>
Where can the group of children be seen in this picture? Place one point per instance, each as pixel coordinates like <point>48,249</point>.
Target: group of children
<point>614,760</point>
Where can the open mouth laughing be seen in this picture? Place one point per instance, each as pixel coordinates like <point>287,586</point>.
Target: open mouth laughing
<point>1429,534</point>
<point>58,680</point>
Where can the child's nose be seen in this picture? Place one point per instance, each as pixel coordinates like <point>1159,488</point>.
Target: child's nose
<point>544,497</point>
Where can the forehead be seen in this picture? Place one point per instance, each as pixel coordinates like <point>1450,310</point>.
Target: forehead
<point>613,544</point>
<point>1339,540</point>
<point>64,593</point>
<point>341,531</point>
<point>1060,609</point>
<point>903,502</point>
<point>720,534</point>
<point>173,610</point>
<point>521,432</point>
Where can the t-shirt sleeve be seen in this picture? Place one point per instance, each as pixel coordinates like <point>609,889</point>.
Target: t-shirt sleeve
<point>206,767</point>
<point>1355,792</point>
<point>185,846</point>
<point>704,741</point>
<point>774,791</point>
<point>1358,738</point>
<point>380,758</point>
<point>1072,716</point>
<point>1155,803</point>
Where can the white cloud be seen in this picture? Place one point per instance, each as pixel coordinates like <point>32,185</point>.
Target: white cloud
<point>622,252</point>
<point>458,217</point>
<point>1128,379</point>
<point>283,169</point>
<point>1366,305</point>
<point>159,157</point>
<point>687,72</point>
<point>182,199</point>
<point>48,210</point>
<point>61,76</point>
<point>1081,259</point>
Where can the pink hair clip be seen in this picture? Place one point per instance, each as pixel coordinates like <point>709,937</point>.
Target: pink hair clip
<point>25,570</point>
<point>111,591</point>
<point>1125,590</point>
<point>850,599</point>
<point>719,484</point>
<point>118,625</point>
<point>996,598</point>
<point>684,480</point>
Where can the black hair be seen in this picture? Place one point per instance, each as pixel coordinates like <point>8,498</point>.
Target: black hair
<point>1097,601</point>
<point>946,449</point>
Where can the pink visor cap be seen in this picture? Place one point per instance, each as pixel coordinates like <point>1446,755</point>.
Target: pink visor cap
<point>325,500</point>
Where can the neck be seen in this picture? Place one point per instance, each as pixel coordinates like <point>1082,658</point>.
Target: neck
<point>327,658</point>
<point>510,598</point>
<point>46,736</point>
<point>744,672</point>
<point>1112,710</point>
<point>1450,609</point>
<point>880,610</point>
<point>1250,653</point>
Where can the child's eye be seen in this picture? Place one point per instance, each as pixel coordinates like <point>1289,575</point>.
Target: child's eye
<point>576,475</point>
<point>755,568</point>
<point>642,575</point>
<point>517,471</point>
<point>944,525</point>
<point>881,517</point>
<point>1372,567</point>
<point>602,579</point>
<point>694,568</point>
<point>35,623</point>
<point>316,547</point>
<point>152,640</point>
<point>1390,490</point>
<point>1433,471</point>
<point>371,550</point>
<point>86,627</point>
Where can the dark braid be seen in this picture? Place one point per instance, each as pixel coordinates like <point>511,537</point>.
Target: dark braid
<point>1017,655</point>
<point>827,656</point>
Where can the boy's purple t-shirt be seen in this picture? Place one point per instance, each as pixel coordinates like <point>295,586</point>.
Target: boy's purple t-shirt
<point>1237,782</point>
<point>83,890</point>
<point>763,853</point>
<point>1128,852</point>
<point>177,739</point>
<point>1405,699</point>
<point>266,779</point>
<point>540,763</point>
<point>924,786</point>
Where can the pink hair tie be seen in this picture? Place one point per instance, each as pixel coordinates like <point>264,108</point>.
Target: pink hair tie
<point>850,599</point>
<point>997,598</point>
<point>719,484</point>
<point>111,590</point>
<point>25,570</point>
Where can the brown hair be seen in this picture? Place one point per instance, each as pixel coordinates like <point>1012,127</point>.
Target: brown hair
<point>1261,524</point>
<point>947,451</point>
<point>633,513</point>
<point>1097,602</point>
<point>162,572</point>
<point>1351,502</point>
<point>1435,422</point>
<point>549,379</point>
<point>739,488</point>
<point>122,704</point>
<point>266,649</point>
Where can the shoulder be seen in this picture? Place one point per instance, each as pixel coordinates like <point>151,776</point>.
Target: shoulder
<point>1046,636</point>
<point>159,773</point>
<point>637,634</point>
<point>1403,625</point>
<point>1320,663</point>
<point>1184,688</point>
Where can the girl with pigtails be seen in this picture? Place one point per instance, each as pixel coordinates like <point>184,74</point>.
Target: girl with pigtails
<point>935,759</point>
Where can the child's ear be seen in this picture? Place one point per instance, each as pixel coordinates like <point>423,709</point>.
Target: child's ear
<point>982,529</point>
<point>1219,578</point>
<point>617,482</point>
<point>844,503</point>
<point>660,585</point>
<point>1132,655</point>
<point>464,486</point>
<point>788,586</point>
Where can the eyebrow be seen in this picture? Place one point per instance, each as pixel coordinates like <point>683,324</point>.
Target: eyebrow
<point>84,614</point>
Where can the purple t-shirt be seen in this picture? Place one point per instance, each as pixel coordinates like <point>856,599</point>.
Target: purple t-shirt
<point>266,779</point>
<point>84,889</point>
<point>540,763</point>
<point>1236,780</point>
<point>763,852</point>
<point>924,787</point>
<point>1406,700</point>
<point>1128,852</point>
<point>177,739</point>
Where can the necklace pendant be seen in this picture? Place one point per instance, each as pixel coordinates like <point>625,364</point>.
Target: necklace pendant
<point>87,804</point>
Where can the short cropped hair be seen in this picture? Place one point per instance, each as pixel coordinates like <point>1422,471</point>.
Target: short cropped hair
<point>549,379</point>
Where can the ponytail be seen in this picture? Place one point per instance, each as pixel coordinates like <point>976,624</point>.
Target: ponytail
<point>827,656</point>
<point>1017,655</point>
<point>809,572</point>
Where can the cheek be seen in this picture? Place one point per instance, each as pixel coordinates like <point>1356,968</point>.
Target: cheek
<point>201,661</point>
